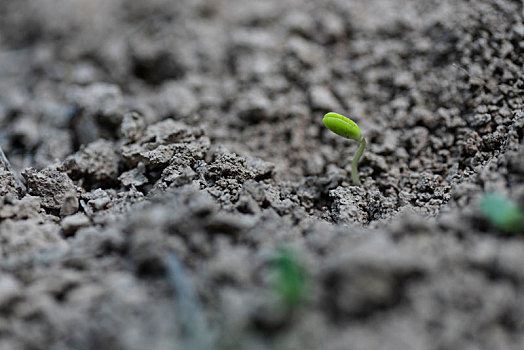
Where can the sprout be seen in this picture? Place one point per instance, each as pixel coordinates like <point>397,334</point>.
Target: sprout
<point>290,283</point>
<point>503,213</point>
<point>347,128</point>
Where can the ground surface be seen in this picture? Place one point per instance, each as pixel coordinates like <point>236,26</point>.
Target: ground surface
<point>162,151</point>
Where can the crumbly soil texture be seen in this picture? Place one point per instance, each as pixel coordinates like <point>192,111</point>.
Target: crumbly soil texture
<point>158,156</point>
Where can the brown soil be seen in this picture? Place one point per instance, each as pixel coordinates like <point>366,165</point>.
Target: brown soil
<point>158,154</point>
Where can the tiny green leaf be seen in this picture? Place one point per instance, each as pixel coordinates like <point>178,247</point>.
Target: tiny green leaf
<point>290,281</point>
<point>342,126</point>
<point>503,213</point>
<point>348,129</point>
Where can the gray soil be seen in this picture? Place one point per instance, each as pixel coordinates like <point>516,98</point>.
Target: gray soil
<point>158,153</point>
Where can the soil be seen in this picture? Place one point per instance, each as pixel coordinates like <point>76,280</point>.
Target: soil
<point>159,153</point>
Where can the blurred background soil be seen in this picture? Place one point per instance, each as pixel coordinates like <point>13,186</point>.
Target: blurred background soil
<point>159,155</point>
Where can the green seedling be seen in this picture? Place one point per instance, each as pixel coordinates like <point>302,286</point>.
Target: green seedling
<point>348,129</point>
<point>290,278</point>
<point>503,213</point>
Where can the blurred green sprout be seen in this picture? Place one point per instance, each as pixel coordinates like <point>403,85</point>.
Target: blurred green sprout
<point>502,213</point>
<point>290,278</point>
<point>348,129</point>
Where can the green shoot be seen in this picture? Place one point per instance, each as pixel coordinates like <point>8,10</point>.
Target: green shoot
<point>348,129</point>
<point>503,213</point>
<point>290,283</point>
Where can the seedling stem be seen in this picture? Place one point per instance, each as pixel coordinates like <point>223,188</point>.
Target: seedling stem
<point>348,129</point>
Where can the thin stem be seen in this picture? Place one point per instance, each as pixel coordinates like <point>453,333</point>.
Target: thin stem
<point>5,162</point>
<point>354,165</point>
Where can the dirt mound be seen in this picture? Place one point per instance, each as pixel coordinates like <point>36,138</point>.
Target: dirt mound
<point>165,162</point>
